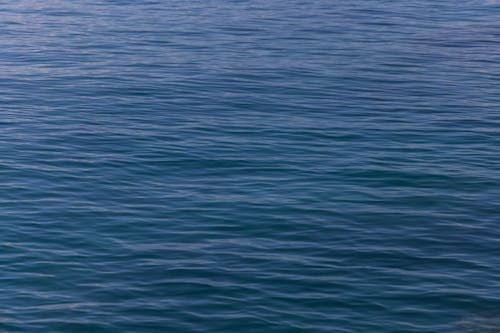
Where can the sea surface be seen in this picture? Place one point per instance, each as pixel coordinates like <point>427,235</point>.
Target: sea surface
<point>249,166</point>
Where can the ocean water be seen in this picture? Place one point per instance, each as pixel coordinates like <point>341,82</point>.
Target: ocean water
<point>250,166</point>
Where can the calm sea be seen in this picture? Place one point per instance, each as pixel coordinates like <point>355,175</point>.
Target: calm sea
<point>248,166</point>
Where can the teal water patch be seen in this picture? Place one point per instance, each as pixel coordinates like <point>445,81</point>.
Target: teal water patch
<point>483,322</point>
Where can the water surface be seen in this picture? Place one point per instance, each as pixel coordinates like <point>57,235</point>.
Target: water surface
<point>249,166</point>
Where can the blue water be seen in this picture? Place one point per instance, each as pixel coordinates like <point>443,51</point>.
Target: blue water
<point>250,166</point>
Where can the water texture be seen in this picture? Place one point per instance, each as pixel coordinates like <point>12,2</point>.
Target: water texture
<point>249,166</point>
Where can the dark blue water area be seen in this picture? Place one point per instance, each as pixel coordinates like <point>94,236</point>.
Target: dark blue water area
<point>250,166</point>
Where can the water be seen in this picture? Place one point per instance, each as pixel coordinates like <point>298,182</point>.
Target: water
<point>249,166</point>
